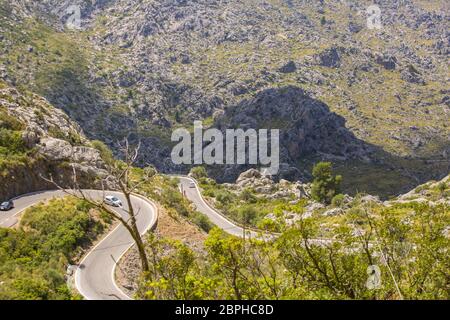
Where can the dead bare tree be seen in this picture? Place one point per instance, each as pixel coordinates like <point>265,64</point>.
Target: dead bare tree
<point>119,176</point>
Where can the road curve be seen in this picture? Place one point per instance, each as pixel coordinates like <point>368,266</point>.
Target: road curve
<point>194,195</point>
<point>94,277</point>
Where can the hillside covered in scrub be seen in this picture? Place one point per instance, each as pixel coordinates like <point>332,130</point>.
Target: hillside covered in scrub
<point>374,101</point>
<point>321,247</point>
<point>363,187</point>
<point>38,141</point>
<point>34,257</point>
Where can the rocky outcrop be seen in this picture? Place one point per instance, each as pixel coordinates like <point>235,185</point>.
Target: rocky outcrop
<point>333,212</point>
<point>40,118</point>
<point>433,193</point>
<point>264,186</point>
<point>288,67</point>
<point>307,127</point>
<point>330,58</point>
<point>28,177</point>
<point>55,147</point>
<point>411,75</point>
<point>60,150</point>
<point>389,62</point>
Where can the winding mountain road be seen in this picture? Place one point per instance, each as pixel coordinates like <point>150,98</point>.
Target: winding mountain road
<point>190,189</point>
<point>94,277</point>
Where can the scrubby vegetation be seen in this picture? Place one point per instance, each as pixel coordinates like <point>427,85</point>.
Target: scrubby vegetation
<point>247,207</point>
<point>407,242</point>
<point>164,190</point>
<point>105,153</point>
<point>320,256</point>
<point>325,185</point>
<point>34,257</point>
<point>199,172</point>
<point>391,91</point>
<point>13,151</point>
<point>244,208</point>
<point>94,74</point>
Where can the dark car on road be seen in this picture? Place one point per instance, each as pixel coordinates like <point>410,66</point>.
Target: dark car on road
<point>7,205</point>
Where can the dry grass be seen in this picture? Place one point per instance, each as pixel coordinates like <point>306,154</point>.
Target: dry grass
<point>177,227</point>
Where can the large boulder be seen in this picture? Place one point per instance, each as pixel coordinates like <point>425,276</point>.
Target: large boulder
<point>60,150</point>
<point>247,175</point>
<point>389,62</point>
<point>412,75</point>
<point>288,67</point>
<point>330,58</point>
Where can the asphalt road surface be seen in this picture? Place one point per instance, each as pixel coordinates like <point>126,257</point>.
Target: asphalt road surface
<point>190,189</point>
<point>9,218</point>
<point>94,277</point>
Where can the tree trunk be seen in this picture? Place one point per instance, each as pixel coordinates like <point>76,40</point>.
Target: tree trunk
<point>137,236</point>
<point>142,254</point>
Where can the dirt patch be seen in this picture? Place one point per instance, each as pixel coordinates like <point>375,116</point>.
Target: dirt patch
<point>169,226</point>
<point>179,228</point>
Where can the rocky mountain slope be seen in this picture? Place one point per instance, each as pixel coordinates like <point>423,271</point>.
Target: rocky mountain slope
<point>39,141</point>
<point>266,201</point>
<point>143,67</point>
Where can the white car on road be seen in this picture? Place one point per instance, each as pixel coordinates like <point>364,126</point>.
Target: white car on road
<point>113,201</point>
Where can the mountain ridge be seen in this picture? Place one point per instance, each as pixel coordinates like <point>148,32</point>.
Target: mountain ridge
<point>143,68</point>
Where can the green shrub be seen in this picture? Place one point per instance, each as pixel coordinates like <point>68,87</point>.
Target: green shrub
<point>72,137</point>
<point>338,200</point>
<point>209,193</point>
<point>202,221</point>
<point>11,141</point>
<point>199,172</point>
<point>224,196</point>
<point>325,185</point>
<point>248,196</point>
<point>442,187</point>
<point>247,214</point>
<point>203,180</point>
<point>9,122</point>
<point>105,152</point>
